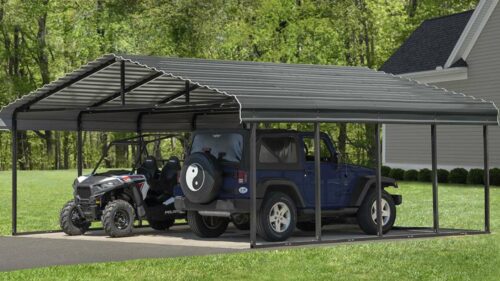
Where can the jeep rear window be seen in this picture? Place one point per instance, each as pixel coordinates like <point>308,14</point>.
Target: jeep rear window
<point>278,150</point>
<point>227,146</point>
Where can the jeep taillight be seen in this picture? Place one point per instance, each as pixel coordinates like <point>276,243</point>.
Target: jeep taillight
<point>242,177</point>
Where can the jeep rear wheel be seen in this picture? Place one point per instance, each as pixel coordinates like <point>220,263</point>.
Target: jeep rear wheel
<point>277,217</point>
<point>206,226</point>
<point>367,213</point>
<point>118,218</point>
<point>70,220</point>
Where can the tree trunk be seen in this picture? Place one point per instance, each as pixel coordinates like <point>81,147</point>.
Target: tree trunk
<point>66,150</point>
<point>342,138</point>
<point>412,8</point>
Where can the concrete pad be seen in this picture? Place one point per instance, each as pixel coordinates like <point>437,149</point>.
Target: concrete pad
<point>176,236</point>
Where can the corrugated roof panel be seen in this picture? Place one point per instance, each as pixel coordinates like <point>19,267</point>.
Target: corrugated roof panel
<point>261,92</point>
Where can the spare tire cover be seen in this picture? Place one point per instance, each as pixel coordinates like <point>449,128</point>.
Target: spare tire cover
<point>201,177</point>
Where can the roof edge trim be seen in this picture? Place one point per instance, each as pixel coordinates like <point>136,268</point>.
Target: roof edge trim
<point>439,75</point>
<point>472,31</point>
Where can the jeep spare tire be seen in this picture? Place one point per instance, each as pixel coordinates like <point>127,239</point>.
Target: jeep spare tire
<point>201,177</point>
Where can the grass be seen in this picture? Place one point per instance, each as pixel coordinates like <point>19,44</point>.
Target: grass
<point>41,195</point>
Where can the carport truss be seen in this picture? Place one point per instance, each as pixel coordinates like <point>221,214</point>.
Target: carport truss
<point>153,94</point>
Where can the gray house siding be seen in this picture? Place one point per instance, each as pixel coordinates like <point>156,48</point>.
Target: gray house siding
<point>458,146</point>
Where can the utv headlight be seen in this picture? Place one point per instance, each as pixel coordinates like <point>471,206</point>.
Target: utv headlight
<point>109,184</point>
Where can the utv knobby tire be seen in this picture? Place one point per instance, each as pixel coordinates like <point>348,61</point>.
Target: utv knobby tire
<point>364,215</point>
<point>264,226</point>
<point>118,218</point>
<point>161,225</point>
<point>206,227</point>
<point>201,177</point>
<point>67,221</point>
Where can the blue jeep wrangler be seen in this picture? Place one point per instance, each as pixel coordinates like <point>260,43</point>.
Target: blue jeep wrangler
<point>214,184</point>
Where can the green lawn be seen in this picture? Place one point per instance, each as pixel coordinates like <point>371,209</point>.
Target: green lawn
<point>42,193</point>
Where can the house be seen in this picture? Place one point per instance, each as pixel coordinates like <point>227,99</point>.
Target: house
<point>460,53</point>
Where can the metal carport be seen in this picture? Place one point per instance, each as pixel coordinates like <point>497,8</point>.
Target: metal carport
<point>144,93</point>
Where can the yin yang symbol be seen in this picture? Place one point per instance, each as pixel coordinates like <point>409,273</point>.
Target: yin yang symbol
<point>195,177</point>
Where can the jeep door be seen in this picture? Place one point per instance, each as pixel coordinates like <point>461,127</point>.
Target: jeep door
<point>334,180</point>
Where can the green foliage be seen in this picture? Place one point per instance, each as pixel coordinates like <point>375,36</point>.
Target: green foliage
<point>495,176</point>
<point>386,171</point>
<point>458,175</point>
<point>443,175</point>
<point>411,175</point>
<point>475,176</point>
<point>43,40</point>
<point>397,174</point>
<point>424,175</point>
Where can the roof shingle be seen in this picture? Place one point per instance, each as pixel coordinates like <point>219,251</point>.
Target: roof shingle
<point>429,46</point>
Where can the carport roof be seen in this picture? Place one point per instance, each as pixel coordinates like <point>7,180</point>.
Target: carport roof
<point>177,90</point>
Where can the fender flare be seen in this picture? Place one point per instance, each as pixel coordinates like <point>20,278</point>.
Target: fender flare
<point>366,183</point>
<point>288,186</point>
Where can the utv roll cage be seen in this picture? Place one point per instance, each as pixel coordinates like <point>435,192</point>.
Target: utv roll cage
<point>141,141</point>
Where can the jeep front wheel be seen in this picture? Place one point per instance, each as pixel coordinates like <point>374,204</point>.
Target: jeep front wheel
<point>367,213</point>
<point>118,218</point>
<point>70,220</point>
<point>277,217</point>
<point>206,226</point>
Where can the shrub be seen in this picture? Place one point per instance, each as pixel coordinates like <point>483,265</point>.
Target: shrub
<point>495,176</point>
<point>476,176</point>
<point>397,174</point>
<point>411,175</point>
<point>443,175</point>
<point>386,171</point>
<point>424,175</point>
<point>458,175</point>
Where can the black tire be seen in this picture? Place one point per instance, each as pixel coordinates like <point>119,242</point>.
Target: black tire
<point>206,227</point>
<point>306,226</point>
<point>364,216</point>
<point>71,222</point>
<point>201,177</point>
<point>265,227</point>
<point>161,225</point>
<point>241,221</point>
<point>118,218</point>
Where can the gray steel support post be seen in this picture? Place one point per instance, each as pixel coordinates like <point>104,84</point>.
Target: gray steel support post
<point>79,145</point>
<point>317,179</point>
<point>378,172</point>
<point>14,174</point>
<point>253,185</point>
<point>122,81</point>
<point>435,205</point>
<point>486,181</point>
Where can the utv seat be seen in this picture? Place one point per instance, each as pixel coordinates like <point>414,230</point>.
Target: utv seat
<point>163,188</point>
<point>149,169</point>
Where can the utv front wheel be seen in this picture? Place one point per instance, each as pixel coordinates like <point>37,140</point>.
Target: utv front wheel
<point>70,220</point>
<point>205,226</point>
<point>118,218</point>
<point>277,217</point>
<point>367,213</point>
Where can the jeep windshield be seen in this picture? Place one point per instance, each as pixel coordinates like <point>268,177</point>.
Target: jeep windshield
<point>226,146</point>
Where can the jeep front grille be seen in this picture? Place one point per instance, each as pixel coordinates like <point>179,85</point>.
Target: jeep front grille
<point>83,192</point>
